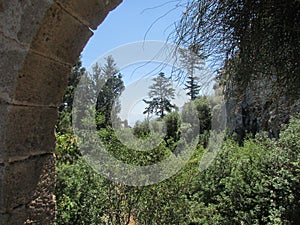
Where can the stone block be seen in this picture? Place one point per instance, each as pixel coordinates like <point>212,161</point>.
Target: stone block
<point>93,12</point>
<point>2,208</point>
<point>61,36</point>
<point>4,219</point>
<point>12,57</point>
<point>29,185</point>
<point>2,135</point>
<point>41,81</point>
<point>26,131</point>
<point>20,20</point>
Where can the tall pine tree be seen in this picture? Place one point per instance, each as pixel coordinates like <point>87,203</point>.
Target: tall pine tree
<point>193,61</point>
<point>161,93</point>
<point>107,104</point>
<point>192,87</point>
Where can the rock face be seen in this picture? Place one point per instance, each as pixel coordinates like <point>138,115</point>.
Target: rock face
<point>39,42</point>
<point>263,105</point>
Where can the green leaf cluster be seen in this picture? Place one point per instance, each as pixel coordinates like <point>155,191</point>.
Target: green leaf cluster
<point>258,183</point>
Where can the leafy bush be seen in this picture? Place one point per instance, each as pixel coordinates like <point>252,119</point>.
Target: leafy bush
<point>258,183</point>
<point>173,123</point>
<point>66,149</point>
<point>141,129</point>
<point>201,107</point>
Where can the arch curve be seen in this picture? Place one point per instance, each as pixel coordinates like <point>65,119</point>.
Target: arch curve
<point>39,42</point>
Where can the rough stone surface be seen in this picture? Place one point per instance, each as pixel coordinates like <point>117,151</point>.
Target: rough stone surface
<point>259,107</point>
<point>92,14</point>
<point>61,36</point>
<point>2,208</point>
<point>39,42</point>
<point>20,20</point>
<point>10,52</point>
<point>35,86</point>
<point>2,138</point>
<point>28,190</point>
<point>27,131</point>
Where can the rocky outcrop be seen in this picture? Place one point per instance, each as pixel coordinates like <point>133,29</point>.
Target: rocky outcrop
<point>262,105</point>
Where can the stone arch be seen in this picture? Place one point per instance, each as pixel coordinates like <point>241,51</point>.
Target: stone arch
<point>39,42</point>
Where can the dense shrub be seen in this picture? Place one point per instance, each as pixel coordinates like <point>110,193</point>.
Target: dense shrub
<point>258,183</point>
<point>141,129</point>
<point>173,123</point>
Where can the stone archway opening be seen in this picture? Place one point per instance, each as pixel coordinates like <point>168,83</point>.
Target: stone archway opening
<point>39,42</point>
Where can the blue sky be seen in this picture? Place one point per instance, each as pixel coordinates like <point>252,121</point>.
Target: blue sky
<point>135,21</point>
<point>131,21</point>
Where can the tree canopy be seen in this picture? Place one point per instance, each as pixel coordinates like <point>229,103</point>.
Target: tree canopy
<point>161,94</point>
<point>107,99</point>
<point>192,87</point>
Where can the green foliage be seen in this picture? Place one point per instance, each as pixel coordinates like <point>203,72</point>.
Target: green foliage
<point>66,149</point>
<point>254,45</point>
<point>100,119</point>
<point>79,198</point>
<point>141,129</point>
<point>202,108</point>
<point>127,155</point>
<point>170,126</point>
<point>257,183</point>
<point>254,184</point>
<point>203,118</point>
<point>161,93</point>
<point>64,124</point>
<point>192,87</point>
<point>173,124</point>
<point>168,202</point>
<point>204,113</point>
<point>113,86</point>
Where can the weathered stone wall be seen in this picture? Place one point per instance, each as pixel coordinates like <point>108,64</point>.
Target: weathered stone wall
<point>263,105</point>
<point>39,42</point>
